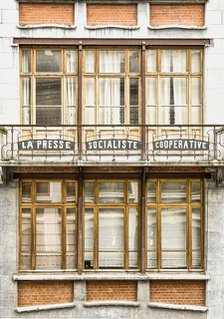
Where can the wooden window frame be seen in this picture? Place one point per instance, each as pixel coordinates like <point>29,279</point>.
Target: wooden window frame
<point>188,75</point>
<point>126,205</point>
<point>63,75</point>
<point>158,205</point>
<point>33,205</point>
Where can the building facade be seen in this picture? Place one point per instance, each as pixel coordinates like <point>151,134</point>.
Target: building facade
<point>112,154</point>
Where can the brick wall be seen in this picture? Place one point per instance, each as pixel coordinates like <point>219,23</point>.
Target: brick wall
<point>184,292</point>
<point>31,293</point>
<point>111,290</point>
<point>118,14</point>
<point>46,13</point>
<point>180,14</point>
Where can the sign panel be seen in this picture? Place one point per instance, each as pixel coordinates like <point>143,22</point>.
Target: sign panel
<point>181,145</point>
<point>46,145</point>
<point>113,145</point>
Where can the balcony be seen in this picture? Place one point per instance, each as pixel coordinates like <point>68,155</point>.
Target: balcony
<point>84,145</point>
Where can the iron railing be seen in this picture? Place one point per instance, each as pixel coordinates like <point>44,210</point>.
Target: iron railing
<point>116,143</point>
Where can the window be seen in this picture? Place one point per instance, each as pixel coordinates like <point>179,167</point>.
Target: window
<point>111,85</point>
<point>48,236</point>
<point>173,86</point>
<point>174,224</point>
<point>48,86</point>
<point>111,224</point>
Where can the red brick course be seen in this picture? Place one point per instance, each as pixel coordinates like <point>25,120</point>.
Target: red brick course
<point>111,290</point>
<point>31,293</point>
<point>180,292</point>
<point>118,14</point>
<point>46,13</point>
<point>180,14</point>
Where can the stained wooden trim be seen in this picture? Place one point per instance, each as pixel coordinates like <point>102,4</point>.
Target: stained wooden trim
<point>112,42</point>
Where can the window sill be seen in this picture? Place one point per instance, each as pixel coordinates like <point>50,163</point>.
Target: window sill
<point>112,303</point>
<point>177,307</point>
<point>111,26</point>
<point>45,307</point>
<point>46,26</point>
<point>177,26</point>
<point>108,276</point>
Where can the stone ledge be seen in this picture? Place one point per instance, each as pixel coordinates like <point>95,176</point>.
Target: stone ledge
<point>111,26</point>
<point>45,307</point>
<point>47,26</point>
<point>111,276</point>
<point>177,26</point>
<point>111,303</point>
<point>177,307</point>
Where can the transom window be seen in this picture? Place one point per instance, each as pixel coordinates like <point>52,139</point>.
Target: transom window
<point>174,224</point>
<point>49,86</point>
<point>174,86</point>
<point>111,86</point>
<point>48,218</point>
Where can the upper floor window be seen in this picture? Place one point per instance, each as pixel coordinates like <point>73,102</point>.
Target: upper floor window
<point>111,86</point>
<point>48,80</point>
<point>174,86</point>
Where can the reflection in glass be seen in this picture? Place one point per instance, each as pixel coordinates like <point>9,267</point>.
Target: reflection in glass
<point>151,61</point>
<point>151,192</point>
<point>26,65</point>
<point>49,192</point>
<point>133,237</point>
<point>134,62</point>
<point>89,101</point>
<point>26,239</point>
<point>70,239</point>
<point>90,61</point>
<point>89,192</point>
<point>26,192</point>
<point>111,192</point>
<point>70,191</point>
<point>195,61</point>
<point>195,192</point>
<point>196,228</point>
<point>48,61</point>
<point>70,61</point>
<point>133,192</point>
<point>71,101</point>
<point>173,241</point>
<point>173,192</point>
<point>134,103</point>
<point>111,238</point>
<point>151,100</point>
<point>89,238</point>
<point>48,238</point>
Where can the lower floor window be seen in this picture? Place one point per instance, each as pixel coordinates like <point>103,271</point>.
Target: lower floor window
<point>113,217</point>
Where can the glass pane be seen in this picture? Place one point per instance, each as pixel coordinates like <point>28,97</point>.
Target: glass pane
<point>111,61</point>
<point>90,61</point>
<point>48,116</point>
<point>111,238</point>
<point>26,65</point>
<point>133,192</point>
<point>195,192</point>
<point>48,91</point>
<point>151,61</point>
<point>89,192</point>
<point>26,192</point>
<point>26,239</point>
<point>48,238</point>
<point>151,259</point>
<point>89,238</point>
<point>111,101</point>
<point>173,91</point>
<point>71,239</point>
<point>26,115</point>
<point>173,241</point>
<point>71,101</point>
<point>48,192</point>
<point>151,227</point>
<point>70,191</point>
<point>70,61</point>
<point>133,61</point>
<point>196,259</point>
<point>196,229</point>
<point>26,96</point>
<point>111,192</point>
<point>173,192</point>
<point>195,61</point>
<point>196,115</point>
<point>48,60</point>
<point>173,259</point>
<point>89,101</point>
<point>151,192</point>
<point>151,91</point>
<point>173,61</point>
<point>133,237</point>
<point>134,102</point>
<point>196,91</point>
